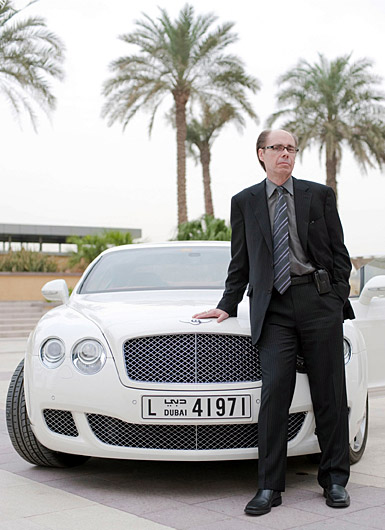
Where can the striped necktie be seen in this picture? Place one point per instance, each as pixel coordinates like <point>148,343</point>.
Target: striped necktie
<point>281,259</point>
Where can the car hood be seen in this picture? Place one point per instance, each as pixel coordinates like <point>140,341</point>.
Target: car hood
<point>125,315</point>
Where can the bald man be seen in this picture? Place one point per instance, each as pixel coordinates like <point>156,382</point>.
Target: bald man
<point>287,246</point>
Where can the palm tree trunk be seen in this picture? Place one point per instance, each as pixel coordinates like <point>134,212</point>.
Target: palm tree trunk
<point>331,170</point>
<point>181,98</point>
<point>205,157</point>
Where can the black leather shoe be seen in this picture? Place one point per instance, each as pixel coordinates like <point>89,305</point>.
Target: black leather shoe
<point>337,496</point>
<point>263,502</point>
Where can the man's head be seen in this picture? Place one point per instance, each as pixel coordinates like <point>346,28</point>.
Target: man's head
<point>276,150</point>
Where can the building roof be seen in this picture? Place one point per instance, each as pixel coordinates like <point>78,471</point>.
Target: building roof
<point>54,234</point>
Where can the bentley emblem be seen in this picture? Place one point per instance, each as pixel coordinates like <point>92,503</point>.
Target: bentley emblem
<point>196,321</point>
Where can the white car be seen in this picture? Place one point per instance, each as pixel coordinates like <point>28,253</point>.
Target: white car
<point>122,370</point>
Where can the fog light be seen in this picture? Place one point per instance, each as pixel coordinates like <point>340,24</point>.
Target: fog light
<point>52,353</point>
<point>88,356</point>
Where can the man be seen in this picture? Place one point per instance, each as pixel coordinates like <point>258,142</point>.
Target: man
<point>287,245</point>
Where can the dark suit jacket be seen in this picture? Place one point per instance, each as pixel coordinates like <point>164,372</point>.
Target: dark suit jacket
<point>319,230</point>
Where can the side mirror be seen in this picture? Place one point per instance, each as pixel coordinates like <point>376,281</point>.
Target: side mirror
<point>56,290</point>
<point>374,287</point>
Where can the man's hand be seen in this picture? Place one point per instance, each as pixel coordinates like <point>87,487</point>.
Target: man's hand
<point>213,313</point>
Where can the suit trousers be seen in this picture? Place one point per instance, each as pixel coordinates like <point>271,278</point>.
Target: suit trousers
<point>301,321</point>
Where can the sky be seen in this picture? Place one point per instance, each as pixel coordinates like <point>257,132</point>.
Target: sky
<point>78,171</point>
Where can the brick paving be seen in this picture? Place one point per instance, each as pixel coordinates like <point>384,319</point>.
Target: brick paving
<point>145,495</point>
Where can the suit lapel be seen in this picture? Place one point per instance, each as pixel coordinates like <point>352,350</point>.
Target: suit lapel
<point>258,203</point>
<point>302,198</point>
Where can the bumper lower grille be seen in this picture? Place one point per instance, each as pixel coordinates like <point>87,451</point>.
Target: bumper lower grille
<point>192,358</point>
<point>61,422</point>
<point>113,431</point>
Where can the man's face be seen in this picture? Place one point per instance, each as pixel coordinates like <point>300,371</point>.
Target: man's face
<point>278,164</point>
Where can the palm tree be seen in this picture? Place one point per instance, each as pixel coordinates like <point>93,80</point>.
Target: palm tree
<point>182,58</point>
<point>333,104</point>
<point>202,133</point>
<point>30,55</point>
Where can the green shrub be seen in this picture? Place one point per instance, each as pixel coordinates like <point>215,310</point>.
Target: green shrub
<point>89,247</point>
<point>26,261</point>
<point>206,228</point>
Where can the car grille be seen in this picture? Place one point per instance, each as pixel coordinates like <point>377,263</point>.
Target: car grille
<point>192,358</point>
<point>60,421</point>
<point>113,431</point>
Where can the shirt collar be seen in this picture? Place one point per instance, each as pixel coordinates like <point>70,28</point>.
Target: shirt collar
<point>271,187</point>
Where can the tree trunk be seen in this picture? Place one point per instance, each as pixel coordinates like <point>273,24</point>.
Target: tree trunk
<point>205,158</point>
<point>331,170</point>
<point>181,98</point>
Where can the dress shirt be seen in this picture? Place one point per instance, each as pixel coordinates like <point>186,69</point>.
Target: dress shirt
<point>299,263</point>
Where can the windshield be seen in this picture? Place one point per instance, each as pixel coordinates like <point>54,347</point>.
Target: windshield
<point>159,268</point>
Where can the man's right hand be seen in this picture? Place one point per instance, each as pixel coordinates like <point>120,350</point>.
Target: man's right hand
<point>219,314</point>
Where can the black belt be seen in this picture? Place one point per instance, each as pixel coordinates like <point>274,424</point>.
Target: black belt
<point>298,280</point>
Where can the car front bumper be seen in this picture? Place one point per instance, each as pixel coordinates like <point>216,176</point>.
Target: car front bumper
<point>99,416</point>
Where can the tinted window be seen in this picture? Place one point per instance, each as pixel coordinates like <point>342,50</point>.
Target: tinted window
<point>159,268</point>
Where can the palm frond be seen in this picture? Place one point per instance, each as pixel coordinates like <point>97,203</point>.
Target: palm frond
<point>185,55</point>
<point>334,104</point>
<point>30,57</point>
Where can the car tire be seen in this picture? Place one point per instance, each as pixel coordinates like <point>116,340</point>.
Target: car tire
<point>357,446</point>
<point>19,428</point>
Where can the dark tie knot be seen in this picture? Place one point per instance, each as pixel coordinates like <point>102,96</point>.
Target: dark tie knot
<point>280,190</point>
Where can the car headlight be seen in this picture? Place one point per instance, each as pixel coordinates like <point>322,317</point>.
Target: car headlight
<point>52,352</point>
<point>347,351</point>
<point>88,356</point>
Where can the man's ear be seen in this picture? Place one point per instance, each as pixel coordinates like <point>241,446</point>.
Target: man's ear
<point>261,154</point>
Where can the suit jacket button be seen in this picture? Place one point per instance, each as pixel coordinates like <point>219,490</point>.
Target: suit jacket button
<point>269,291</point>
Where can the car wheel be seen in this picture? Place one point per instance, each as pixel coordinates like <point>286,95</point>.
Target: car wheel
<point>20,432</point>
<point>357,446</point>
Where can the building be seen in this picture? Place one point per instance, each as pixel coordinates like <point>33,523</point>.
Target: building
<point>47,234</point>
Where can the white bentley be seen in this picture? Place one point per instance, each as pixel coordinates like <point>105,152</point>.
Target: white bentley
<point>122,370</point>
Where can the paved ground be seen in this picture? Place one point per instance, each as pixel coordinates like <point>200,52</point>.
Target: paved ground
<point>168,495</point>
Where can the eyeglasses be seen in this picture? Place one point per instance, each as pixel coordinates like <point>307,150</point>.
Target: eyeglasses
<point>278,148</point>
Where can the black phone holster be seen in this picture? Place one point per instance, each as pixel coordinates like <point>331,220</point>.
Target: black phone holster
<point>322,281</point>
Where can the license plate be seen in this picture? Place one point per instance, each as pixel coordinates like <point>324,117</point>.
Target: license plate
<point>196,407</point>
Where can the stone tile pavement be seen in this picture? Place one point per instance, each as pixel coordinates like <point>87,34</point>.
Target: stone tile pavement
<point>145,495</point>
